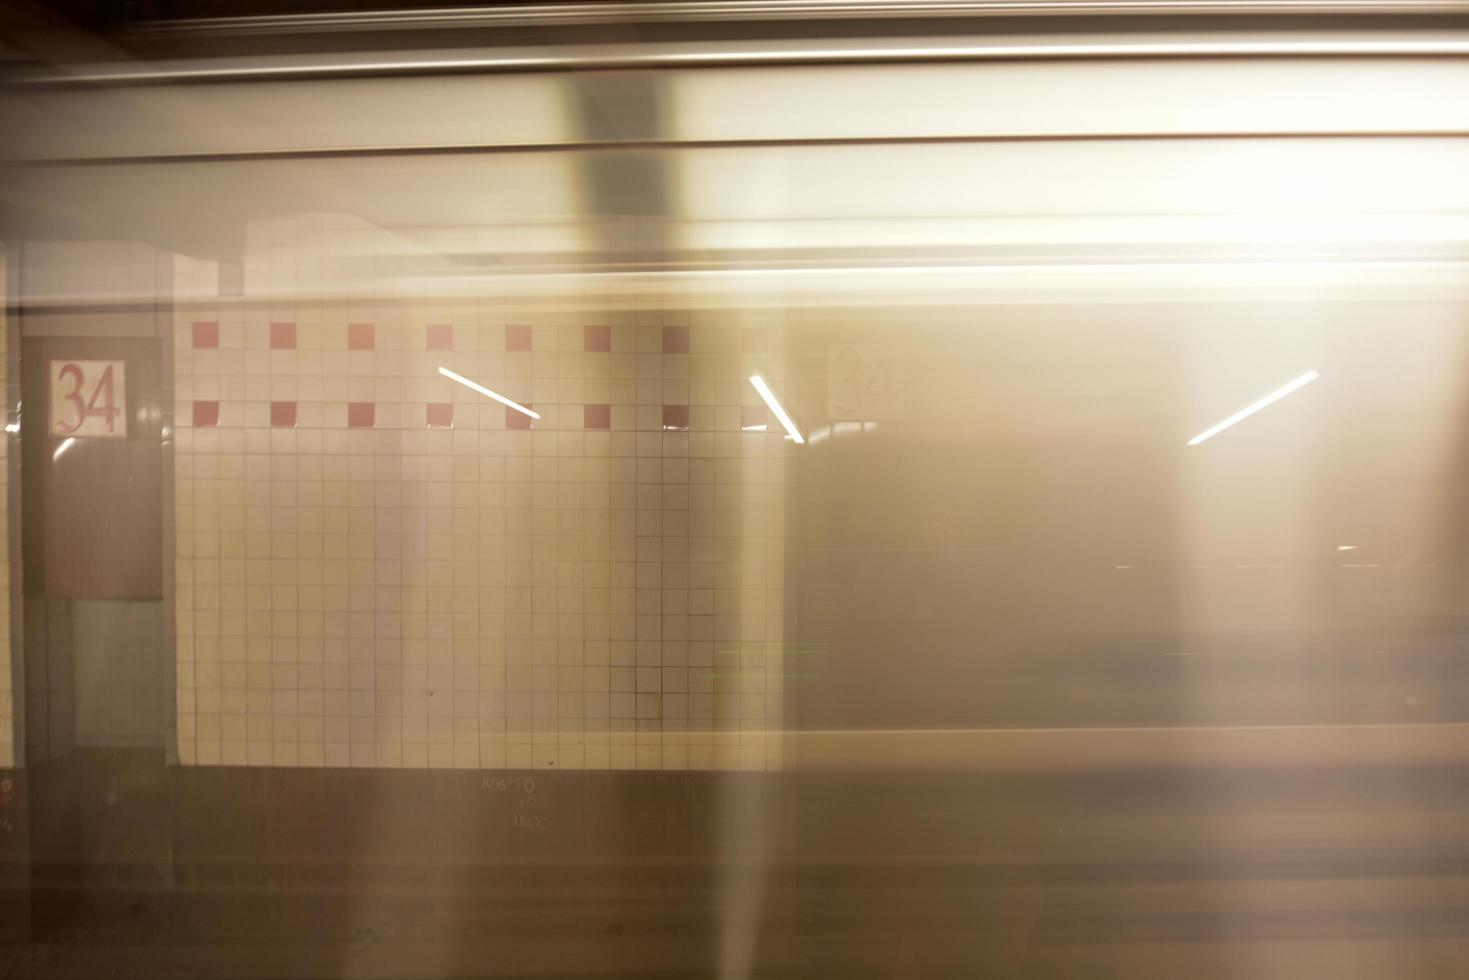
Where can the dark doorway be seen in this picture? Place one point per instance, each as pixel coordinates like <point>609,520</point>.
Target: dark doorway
<point>92,460</point>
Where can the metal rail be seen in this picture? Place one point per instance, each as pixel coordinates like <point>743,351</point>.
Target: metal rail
<point>653,57</point>
<point>583,146</point>
<point>693,11</point>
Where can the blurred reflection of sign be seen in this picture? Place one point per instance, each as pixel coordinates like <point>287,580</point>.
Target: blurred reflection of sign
<point>89,398</point>
<point>864,381</point>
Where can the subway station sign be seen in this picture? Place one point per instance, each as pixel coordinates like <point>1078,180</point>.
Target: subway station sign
<point>89,399</point>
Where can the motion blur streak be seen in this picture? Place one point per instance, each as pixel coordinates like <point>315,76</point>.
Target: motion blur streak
<point>773,403</point>
<point>1291,386</point>
<point>476,386</point>
<point>996,502</point>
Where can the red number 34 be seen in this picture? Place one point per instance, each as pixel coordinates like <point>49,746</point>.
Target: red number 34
<point>100,405</point>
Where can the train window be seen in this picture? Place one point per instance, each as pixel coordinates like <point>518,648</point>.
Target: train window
<point>801,489</point>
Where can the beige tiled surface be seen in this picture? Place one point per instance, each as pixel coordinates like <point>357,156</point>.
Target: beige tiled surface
<point>475,596</point>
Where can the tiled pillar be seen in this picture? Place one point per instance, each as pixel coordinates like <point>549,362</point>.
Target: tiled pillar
<point>8,714</point>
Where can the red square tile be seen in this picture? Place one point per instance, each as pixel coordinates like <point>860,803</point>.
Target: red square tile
<point>361,336</point>
<point>360,415</point>
<point>206,414</point>
<point>282,336</point>
<point>675,340</point>
<point>597,338</point>
<point>675,416</point>
<point>517,420</point>
<point>596,416</point>
<point>439,336</point>
<point>753,417</point>
<point>517,337</point>
<point>440,415</point>
<point>283,413</point>
<point>205,334</point>
<point>753,340</point>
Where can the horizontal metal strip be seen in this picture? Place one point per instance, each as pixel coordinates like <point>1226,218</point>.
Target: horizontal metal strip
<point>470,149</point>
<point>683,11</point>
<point>1034,749</point>
<point>726,55</point>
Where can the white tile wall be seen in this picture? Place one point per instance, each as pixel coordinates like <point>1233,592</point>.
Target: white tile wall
<point>476,596</point>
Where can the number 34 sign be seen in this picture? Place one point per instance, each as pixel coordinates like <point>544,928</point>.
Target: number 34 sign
<point>89,398</point>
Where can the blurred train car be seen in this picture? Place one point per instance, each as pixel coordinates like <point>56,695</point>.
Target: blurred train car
<point>751,489</point>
